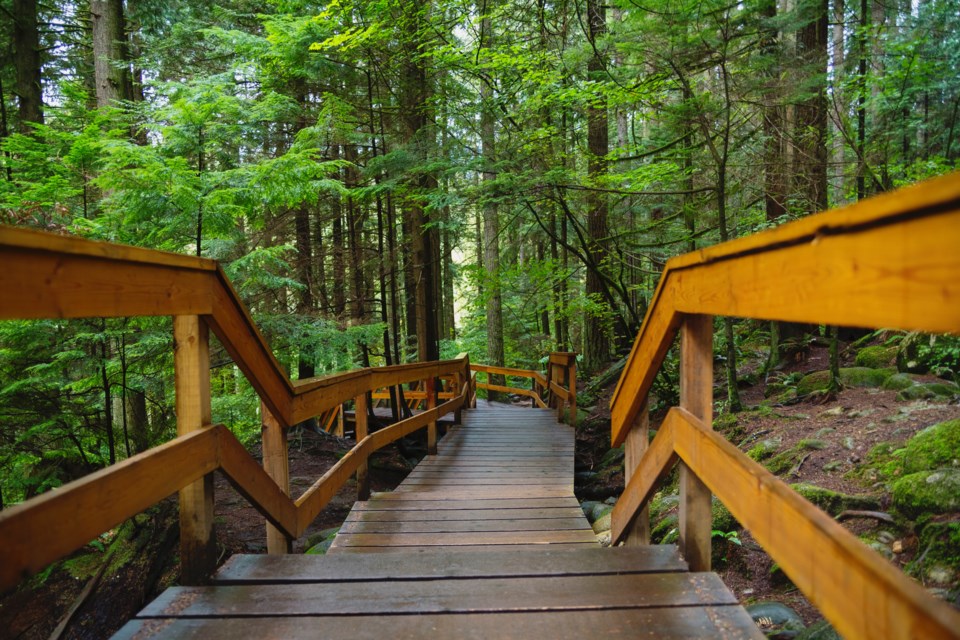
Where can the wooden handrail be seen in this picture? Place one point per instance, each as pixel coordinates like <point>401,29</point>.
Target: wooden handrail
<point>891,261</point>
<point>32,534</point>
<point>798,534</point>
<point>48,276</point>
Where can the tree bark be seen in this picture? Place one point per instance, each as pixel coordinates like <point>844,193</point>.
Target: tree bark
<point>110,55</point>
<point>491,222</point>
<point>26,42</point>
<point>596,343</point>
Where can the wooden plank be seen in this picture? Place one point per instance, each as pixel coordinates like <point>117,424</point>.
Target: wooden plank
<point>457,481</point>
<point>42,241</point>
<point>276,465</point>
<point>242,340</point>
<point>360,432</point>
<point>252,482</point>
<point>861,593</point>
<point>33,533</point>
<point>457,538</point>
<point>455,526</point>
<point>483,549</point>
<point>656,463</point>
<point>540,561</point>
<point>191,364</point>
<point>429,515</point>
<point>393,501</point>
<point>467,493</point>
<point>722,622</point>
<point>634,591</point>
<point>696,397</point>
<point>636,444</point>
<point>40,284</point>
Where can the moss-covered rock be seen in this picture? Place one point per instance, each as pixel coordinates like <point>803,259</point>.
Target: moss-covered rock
<point>926,492</point>
<point>764,449</point>
<point>877,357</point>
<point>783,461</point>
<point>934,447</point>
<point>849,377</point>
<point>834,502</point>
<point>941,540</point>
<point>813,444</point>
<point>928,391</point>
<point>899,381</point>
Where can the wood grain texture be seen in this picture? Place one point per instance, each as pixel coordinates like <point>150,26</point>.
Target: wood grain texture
<point>543,561</point>
<point>636,444</point>
<point>889,261</point>
<point>276,464</point>
<point>191,364</point>
<point>696,397</point>
<point>721,622</point>
<point>494,595</point>
<point>656,463</point>
<point>260,489</point>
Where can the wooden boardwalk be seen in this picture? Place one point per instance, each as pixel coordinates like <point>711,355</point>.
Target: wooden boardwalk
<point>483,540</point>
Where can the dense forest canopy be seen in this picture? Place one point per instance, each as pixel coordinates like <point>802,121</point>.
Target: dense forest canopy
<point>389,180</point>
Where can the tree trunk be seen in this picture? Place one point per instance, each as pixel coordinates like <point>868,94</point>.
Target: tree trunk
<point>491,223</point>
<point>26,42</point>
<point>596,343</point>
<point>811,111</point>
<point>110,56</point>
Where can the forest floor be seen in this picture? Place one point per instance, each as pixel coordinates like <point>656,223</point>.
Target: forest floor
<point>846,428</point>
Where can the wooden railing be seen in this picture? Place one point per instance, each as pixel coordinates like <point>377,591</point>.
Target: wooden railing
<point>892,261</point>
<point>49,276</point>
<point>560,383</point>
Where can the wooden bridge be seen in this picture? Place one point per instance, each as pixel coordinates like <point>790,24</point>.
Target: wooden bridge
<point>484,538</point>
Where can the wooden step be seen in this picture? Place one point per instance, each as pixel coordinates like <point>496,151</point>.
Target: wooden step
<point>536,593</point>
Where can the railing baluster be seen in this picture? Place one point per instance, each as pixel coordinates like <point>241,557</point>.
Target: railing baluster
<point>633,449</point>
<point>360,413</point>
<point>696,396</point>
<point>191,358</point>
<point>276,463</point>
<point>432,426</point>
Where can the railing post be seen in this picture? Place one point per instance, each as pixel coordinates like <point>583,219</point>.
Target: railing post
<point>432,426</point>
<point>638,438</point>
<point>276,463</point>
<point>191,362</point>
<point>696,396</point>
<point>572,377</point>
<point>360,413</point>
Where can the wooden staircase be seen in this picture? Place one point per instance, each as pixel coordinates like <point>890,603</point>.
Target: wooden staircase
<point>483,540</point>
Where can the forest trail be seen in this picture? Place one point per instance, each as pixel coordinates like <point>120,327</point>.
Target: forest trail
<point>484,539</point>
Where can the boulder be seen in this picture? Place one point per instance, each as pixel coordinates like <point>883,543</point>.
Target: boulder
<point>877,357</point>
<point>936,491</point>
<point>934,447</point>
<point>775,616</point>
<point>849,376</point>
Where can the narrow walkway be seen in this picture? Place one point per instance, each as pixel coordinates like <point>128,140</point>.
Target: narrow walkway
<point>484,540</point>
<point>503,479</point>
